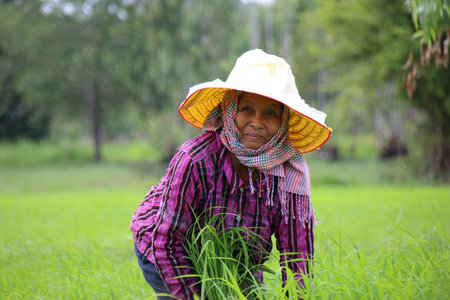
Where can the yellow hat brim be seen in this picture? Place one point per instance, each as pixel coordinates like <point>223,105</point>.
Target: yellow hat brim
<point>305,134</point>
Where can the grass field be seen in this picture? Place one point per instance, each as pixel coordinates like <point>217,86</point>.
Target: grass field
<point>64,234</point>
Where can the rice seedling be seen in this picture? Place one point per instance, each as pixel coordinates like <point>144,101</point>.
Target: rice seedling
<point>229,262</point>
<point>64,235</point>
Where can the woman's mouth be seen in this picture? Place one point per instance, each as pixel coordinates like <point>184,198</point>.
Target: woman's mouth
<point>254,137</point>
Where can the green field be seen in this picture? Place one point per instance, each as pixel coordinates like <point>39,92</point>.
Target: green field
<point>64,234</point>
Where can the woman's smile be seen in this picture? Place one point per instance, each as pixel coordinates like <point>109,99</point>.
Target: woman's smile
<point>255,137</point>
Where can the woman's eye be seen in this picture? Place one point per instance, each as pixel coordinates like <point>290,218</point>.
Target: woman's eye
<point>245,108</point>
<point>272,113</point>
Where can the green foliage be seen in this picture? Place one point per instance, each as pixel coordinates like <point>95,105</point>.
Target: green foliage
<point>123,61</point>
<point>363,172</point>
<point>358,50</point>
<point>355,167</point>
<point>389,242</point>
<point>68,244</point>
<point>353,51</point>
<point>120,68</point>
<point>48,153</point>
<point>359,167</point>
<point>431,91</point>
<point>223,259</point>
<point>35,56</point>
<point>18,116</point>
<point>432,95</point>
<point>350,40</point>
<point>18,120</point>
<point>69,238</point>
<point>226,262</point>
<point>429,17</point>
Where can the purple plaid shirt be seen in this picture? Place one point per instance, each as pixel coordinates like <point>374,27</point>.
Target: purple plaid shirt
<point>200,176</point>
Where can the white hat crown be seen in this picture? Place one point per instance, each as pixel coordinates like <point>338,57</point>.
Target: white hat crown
<point>265,74</point>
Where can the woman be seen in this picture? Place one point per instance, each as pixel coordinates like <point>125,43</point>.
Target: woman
<point>248,160</point>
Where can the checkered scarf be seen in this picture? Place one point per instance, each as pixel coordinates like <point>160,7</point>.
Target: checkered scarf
<point>293,178</point>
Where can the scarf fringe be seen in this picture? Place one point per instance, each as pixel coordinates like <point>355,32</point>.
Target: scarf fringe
<point>250,179</point>
<point>288,201</point>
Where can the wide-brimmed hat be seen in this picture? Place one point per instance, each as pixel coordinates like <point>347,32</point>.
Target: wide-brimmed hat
<point>268,75</point>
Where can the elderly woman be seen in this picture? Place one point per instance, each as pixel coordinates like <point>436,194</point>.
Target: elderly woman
<point>249,159</point>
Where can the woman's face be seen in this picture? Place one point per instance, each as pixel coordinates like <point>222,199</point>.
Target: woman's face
<point>258,119</point>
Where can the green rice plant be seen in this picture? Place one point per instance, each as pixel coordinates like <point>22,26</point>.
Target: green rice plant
<point>417,270</point>
<point>64,235</point>
<point>229,262</point>
<point>71,244</point>
<point>292,287</point>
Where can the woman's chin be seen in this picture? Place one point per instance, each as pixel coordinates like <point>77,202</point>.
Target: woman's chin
<point>254,145</point>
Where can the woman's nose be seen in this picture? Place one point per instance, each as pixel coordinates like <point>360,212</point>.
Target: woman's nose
<point>256,120</point>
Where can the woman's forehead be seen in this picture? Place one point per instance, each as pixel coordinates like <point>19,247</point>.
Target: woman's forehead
<point>246,97</point>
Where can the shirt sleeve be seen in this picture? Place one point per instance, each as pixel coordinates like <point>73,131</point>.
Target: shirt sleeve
<point>176,214</point>
<point>295,241</point>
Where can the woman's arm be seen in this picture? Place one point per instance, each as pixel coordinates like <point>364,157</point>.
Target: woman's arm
<point>176,214</point>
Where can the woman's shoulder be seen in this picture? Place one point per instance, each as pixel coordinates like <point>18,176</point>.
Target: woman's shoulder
<point>202,146</point>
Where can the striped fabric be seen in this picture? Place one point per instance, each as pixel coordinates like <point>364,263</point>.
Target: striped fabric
<point>201,177</point>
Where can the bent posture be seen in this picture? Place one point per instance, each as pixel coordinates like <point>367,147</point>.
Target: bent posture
<point>249,159</point>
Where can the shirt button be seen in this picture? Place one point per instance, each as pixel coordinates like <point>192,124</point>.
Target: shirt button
<point>241,189</point>
<point>238,218</point>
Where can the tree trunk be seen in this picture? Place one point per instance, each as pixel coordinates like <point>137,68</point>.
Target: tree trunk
<point>96,88</point>
<point>389,124</point>
<point>96,94</point>
<point>438,155</point>
<point>268,29</point>
<point>253,27</point>
<point>95,118</point>
<point>286,32</point>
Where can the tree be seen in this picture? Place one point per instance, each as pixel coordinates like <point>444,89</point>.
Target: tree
<point>362,45</point>
<point>179,43</point>
<point>17,117</point>
<point>62,52</point>
<point>355,50</point>
<point>97,62</point>
<point>94,84</point>
<point>427,85</point>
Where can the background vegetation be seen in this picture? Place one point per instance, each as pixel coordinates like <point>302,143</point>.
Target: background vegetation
<point>112,71</point>
<point>88,97</point>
